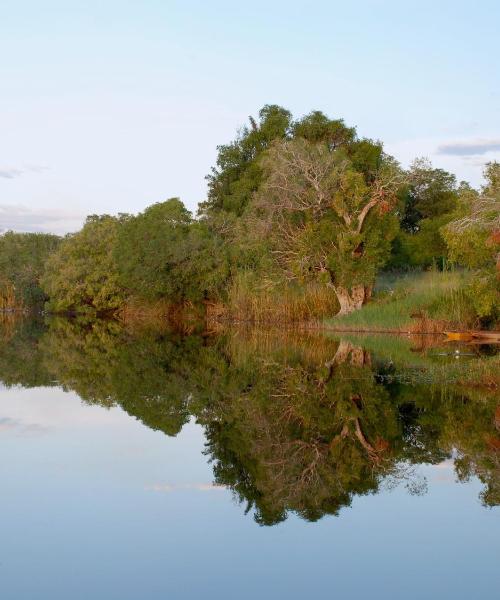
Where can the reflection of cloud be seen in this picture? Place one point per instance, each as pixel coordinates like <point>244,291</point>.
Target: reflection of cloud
<point>445,471</point>
<point>200,487</point>
<point>10,173</point>
<point>20,428</point>
<point>469,148</point>
<point>22,218</point>
<point>446,464</point>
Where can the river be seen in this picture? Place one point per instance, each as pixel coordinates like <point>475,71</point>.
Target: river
<point>244,464</point>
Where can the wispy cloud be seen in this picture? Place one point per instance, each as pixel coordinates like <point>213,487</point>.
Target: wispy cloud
<point>172,487</point>
<point>13,172</point>
<point>21,218</point>
<point>469,148</point>
<point>10,173</point>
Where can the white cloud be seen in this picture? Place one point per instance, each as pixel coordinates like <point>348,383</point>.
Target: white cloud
<point>12,172</point>
<point>19,427</point>
<point>465,167</point>
<point>469,148</point>
<point>17,217</point>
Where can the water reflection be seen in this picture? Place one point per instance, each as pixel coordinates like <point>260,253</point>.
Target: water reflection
<point>294,422</point>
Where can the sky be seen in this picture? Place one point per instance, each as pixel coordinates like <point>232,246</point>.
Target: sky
<point>109,106</point>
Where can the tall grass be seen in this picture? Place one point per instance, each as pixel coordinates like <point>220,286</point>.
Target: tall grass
<point>8,323</point>
<point>415,302</point>
<point>8,300</point>
<point>253,300</point>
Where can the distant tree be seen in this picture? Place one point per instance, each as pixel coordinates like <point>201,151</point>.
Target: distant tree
<point>427,204</point>
<point>324,216</point>
<point>474,241</point>
<point>22,258</point>
<point>430,193</point>
<point>82,274</point>
<point>423,248</point>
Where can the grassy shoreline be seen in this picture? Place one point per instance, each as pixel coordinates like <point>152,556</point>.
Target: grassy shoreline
<point>427,303</point>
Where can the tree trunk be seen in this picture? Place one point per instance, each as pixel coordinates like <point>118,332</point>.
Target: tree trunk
<point>353,299</point>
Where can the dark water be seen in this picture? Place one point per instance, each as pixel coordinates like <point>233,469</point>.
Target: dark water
<point>243,465</point>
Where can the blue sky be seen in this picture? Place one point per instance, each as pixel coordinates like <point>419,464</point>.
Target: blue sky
<point>110,106</point>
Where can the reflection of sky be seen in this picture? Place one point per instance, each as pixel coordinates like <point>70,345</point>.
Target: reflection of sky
<point>95,505</point>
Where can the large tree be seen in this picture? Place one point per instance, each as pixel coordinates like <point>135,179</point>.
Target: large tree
<point>242,173</point>
<point>327,212</point>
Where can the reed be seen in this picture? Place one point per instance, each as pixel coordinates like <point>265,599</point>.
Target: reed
<point>8,299</point>
<point>8,324</point>
<point>255,301</point>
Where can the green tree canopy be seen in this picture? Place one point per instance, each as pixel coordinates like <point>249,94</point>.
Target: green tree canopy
<point>237,174</point>
<point>82,275</point>
<point>164,253</point>
<point>22,261</point>
<point>428,201</point>
<point>474,241</point>
<point>430,193</point>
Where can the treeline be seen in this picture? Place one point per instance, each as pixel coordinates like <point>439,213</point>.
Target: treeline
<point>300,217</point>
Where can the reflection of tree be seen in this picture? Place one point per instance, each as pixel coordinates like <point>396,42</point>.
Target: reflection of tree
<point>21,361</point>
<point>305,434</point>
<point>472,430</point>
<point>446,421</point>
<point>304,437</point>
<point>293,422</point>
<point>105,365</point>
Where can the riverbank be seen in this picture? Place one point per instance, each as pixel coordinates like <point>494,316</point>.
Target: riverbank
<point>429,302</point>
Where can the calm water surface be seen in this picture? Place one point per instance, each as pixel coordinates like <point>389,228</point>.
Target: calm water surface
<point>243,465</point>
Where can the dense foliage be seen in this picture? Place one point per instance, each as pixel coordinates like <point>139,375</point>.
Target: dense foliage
<point>294,199</point>
<point>82,275</point>
<point>22,261</point>
<point>474,241</point>
<point>326,216</point>
<point>429,200</point>
<point>164,253</point>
